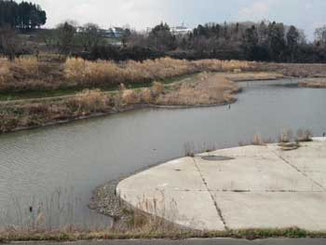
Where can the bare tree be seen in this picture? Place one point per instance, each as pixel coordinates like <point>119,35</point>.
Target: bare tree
<point>320,35</point>
<point>89,36</point>
<point>9,42</point>
<point>66,36</point>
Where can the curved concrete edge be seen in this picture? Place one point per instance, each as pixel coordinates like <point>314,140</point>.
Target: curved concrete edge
<point>169,191</point>
<point>320,139</point>
<point>258,187</point>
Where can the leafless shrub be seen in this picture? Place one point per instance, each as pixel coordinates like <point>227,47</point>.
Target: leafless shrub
<point>189,149</point>
<point>257,140</point>
<point>286,136</point>
<point>304,135</point>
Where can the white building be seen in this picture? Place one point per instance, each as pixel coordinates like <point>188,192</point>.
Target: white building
<point>180,30</point>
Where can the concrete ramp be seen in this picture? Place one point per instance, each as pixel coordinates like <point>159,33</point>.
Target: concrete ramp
<point>237,188</point>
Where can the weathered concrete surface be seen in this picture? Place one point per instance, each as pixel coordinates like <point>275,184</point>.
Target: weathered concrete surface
<point>259,187</point>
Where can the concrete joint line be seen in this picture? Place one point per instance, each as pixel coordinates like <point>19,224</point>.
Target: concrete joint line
<point>218,209</point>
<point>299,171</point>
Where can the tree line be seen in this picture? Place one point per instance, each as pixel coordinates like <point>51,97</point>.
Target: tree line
<point>264,41</point>
<point>22,15</point>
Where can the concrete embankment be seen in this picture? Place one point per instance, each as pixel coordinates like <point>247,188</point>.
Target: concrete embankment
<point>238,188</point>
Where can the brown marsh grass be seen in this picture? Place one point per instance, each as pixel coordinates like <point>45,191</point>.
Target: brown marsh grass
<point>110,73</point>
<point>313,84</point>
<point>206,89</point>
<point>89,101</point>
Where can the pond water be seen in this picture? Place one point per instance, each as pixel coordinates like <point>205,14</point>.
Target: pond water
<point>54,170</point>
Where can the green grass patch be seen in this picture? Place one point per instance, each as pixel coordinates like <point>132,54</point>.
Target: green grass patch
<point>250,234</point>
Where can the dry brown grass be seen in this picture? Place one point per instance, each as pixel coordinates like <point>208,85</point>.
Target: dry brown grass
<point>313,84</point>
<point>47,72</point>
<point>257,140</point>
<point>201,89</point>
<point>207,89</point>
<point>147,95</point>
<point>157,88</point>
<point>5,74</point>
<point>237,77</point>
<point>27,73</point>
<point>38,113</point>
<point>224,65</point>
<point>109,73</point>
<point>130,96</point>
<point>29,66</point>
<point>89,101</point>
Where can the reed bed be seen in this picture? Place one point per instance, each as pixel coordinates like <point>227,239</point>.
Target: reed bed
<point>105,73</point>
<point>28,73</point>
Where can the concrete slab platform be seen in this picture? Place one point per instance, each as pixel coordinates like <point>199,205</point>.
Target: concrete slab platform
<point>239,188</point>
<point>180,174</point>
<point>193,209</point>
<point>309,159</point>
<point>261,171</point>
<point>273,210</point>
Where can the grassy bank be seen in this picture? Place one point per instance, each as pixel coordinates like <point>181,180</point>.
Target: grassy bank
<point>199,90</point>
<point>35,74</point>
<point>60,236</point>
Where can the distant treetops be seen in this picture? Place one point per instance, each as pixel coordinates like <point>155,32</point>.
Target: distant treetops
<point>23,15</point>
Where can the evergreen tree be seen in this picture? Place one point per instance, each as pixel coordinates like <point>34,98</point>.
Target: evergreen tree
<point>23,15</point>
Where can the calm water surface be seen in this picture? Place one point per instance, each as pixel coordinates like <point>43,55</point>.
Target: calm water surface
<point>55,169</point>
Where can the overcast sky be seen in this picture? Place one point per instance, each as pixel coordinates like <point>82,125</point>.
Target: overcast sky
<point>139,14</point>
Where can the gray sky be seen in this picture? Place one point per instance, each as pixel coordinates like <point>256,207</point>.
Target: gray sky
<point>139,14</point>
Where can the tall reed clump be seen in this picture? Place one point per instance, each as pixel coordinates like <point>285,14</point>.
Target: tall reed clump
<point>87,73</point>
<point>75,69</point>
<point>21,74</point>
<point>137,96</point>
<point>28,65</point>
<point>89,101</point>
<point>157,69</point>
<point>5,74</point>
